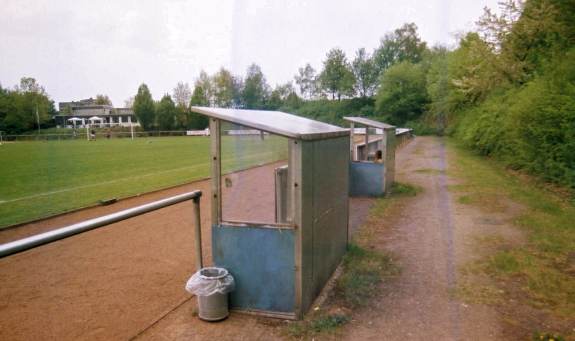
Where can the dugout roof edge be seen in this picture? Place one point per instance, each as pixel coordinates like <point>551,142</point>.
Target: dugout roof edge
<point>276,122</point>
<point>368,122</point>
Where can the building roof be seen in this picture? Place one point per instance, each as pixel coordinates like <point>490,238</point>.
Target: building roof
<point>368,122</point>
<point>276,122</point>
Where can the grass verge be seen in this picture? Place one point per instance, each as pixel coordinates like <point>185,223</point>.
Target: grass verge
<point>365,268</point>
<point>541,271</point>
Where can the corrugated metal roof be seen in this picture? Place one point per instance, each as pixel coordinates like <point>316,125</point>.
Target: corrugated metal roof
<point>276,122</point>
<point>368,122</point>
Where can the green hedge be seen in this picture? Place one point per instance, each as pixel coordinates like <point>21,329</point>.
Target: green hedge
<point>330,111</point>
<point>531,127</point>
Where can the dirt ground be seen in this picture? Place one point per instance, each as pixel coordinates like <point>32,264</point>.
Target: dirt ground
<point>117,282</point>
<point>431,236</point>
<point>126,281</point>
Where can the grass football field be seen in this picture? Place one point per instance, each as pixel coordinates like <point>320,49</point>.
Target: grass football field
<point>43,178</point>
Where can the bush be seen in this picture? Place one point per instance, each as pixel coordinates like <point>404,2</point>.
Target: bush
<point>333,111</point>
<point>530,128</point>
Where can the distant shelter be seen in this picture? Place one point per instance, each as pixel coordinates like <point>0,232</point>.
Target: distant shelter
<point>85,112</point>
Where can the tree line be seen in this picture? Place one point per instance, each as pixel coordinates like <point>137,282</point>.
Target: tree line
<point>506,89</point>
<point>312,93</point>
<point>339,79</point>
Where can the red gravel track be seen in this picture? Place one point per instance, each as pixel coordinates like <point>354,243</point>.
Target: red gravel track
<point>114,282</point>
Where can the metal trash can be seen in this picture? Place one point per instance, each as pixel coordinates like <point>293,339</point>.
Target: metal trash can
<point>211,285</point>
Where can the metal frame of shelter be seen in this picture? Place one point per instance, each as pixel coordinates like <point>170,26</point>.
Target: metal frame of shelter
<point>372,178</point>
<point>281,267</point>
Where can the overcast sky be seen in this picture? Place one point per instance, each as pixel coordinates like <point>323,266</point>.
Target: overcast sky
<point>77,49</point>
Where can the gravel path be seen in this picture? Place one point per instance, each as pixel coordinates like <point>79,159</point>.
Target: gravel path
<point>430,241</point>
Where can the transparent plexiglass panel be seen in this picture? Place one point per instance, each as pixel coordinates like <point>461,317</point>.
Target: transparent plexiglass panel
<point>253,183</point>
<point>371,150</point>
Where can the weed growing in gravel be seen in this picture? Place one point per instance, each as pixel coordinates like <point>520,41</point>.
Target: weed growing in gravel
<point>363,272</point>
<point>402,189</point>
<point>547,337</point>
<point>322,324</point>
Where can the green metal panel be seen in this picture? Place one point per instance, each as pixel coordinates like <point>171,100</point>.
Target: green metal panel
<point>306,224</point>
<point>330,192</point>
<point>389,161</point>
<point>324,212</point>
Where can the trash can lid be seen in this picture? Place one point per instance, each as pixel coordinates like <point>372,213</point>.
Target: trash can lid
<point>212,273</point>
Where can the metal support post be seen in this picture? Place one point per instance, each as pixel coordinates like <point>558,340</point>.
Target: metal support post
<point>366,150</point>
<point>198,233</point>
<point>352,142</point>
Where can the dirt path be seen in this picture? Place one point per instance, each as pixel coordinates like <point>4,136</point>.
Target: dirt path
<point>432,237</point>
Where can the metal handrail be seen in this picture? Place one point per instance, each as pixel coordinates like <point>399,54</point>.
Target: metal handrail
<point>24,244</point>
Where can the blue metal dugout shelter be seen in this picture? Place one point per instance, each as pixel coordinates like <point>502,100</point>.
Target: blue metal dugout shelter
<point>372,167</point>
<point>281,267</point>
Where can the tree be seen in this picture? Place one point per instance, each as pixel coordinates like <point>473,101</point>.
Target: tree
<point>402,95</point>
<point>129,102</point>
<point>182,94</point>
<point>182,117</point>
<point>474,70</point>
<point>337,77</point>
<point>256,90</point>
<point>23,107</point>
<point>238,91</point>
<point>224,88</point>
<point>365,73</point>
<point>29,85</point>
<point>199,98</point>
<point>306,81</point>
<point>439,89</point>
<point>166,113</point>
<point>102,100</point>
<point>144,107</point>
<point>403,44</point>
<point>280,95</point>
<point>4,103</point>
<point>526,34</point>
<point>205,82</point>
<point>293,101</point>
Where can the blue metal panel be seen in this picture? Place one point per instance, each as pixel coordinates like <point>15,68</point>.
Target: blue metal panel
<point>262,263</point>
<point>366,179</point>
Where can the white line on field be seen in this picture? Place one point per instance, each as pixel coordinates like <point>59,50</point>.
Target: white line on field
<point>98,184</point>
<point>113,181</point>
